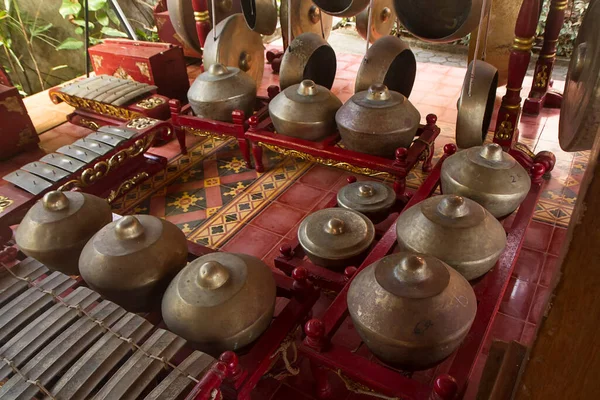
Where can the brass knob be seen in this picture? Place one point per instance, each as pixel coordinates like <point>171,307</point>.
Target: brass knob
<point>307,88</point>
<point>224,5</point>
<point>129,227</point>
<point>55,201</point>
<point>217,69</point>
<point>366,190</point>
<point>412,269</point>
<point>334,226</point>
<point>492,152</point>
<point>579,59</point>
<point>212,275</point>
<point>245,61</point>
<point>453,207</point>
<point>378,92</point>
<point>386,13</point>
<point>314,14</point>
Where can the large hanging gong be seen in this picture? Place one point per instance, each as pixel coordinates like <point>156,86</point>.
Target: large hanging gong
<point>475,108</point>
<point>439,20</point>
<point>236,45</point>
<point>580,111</point>
<point>181,14</point>
<point>382,20</point>
<point>309,56</point>
<point>261,15</point>
<point>342,8</point>
<point>389,61</point>
<point>305,17</point>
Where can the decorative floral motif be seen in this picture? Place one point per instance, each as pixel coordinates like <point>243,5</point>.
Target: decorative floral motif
<point>235,165</point>
<point>239,188</point>
<point>185,201</point>
<point>12,104</point>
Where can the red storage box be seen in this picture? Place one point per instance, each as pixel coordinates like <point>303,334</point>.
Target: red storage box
<point>17,132</point>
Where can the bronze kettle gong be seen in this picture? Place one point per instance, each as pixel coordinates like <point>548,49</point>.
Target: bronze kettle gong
<point>132,260</point>
<point>220,301</point>
<point>57,227</point>
<point>371,198</point>
<point>412,311</point>
<point>455,230</point>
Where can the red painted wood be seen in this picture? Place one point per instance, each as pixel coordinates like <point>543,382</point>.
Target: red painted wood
<point>17,132</point>
<point>205,26</point>
<point>167,33</point>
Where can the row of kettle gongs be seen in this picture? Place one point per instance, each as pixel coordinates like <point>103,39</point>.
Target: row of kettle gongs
<point>388,60</point>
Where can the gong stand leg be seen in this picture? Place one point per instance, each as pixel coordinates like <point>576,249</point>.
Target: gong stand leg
<point>175,109</point>
<point>541,93</point>
<point>321,377</point>
<point>202,17</point>
<point>506,133</point>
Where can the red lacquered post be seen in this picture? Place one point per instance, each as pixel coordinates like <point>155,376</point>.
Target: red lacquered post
<point>202,17</point>
<point>235,372</point>
<point>400,181</point>
<point>444,388</point>
<point>315,335</point>
<point>351,179</point>
<point>175,109</point>
<point>272,91</point>
<point>540,96</point>
<point>257,151</point>
<point>510,110</point>
<point>209,386</point>
<point>349,273</point>
<point>428,156</point>
<point>301,285</point>
<point>286,251</point>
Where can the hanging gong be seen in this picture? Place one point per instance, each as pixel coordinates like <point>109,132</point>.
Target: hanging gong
<point>306,17</point>
<point>236,46</point>
<point>261,15</point>
<point>475,111</point>
<point>309,56</point>
<point>580,111</point>
<point>439,21</point>
<point>342,8</point>
<point>181,13</point>
<point>389,61</point>
<point>382,20</point>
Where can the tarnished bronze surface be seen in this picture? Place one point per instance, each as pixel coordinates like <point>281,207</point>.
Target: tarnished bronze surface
<point>439,20</point>
<point>579,114</point>
<point>235,45</point>
<point>342,8</point>
<point>377,121</point>
<point>55,230</point>
<point>487,175</point>
<point>455,230</point>
<point>305,110</point>
<point>475,110</point>
<point>412,311</point>
<point>220,90</point>
<point>260,15</point>
<point>334,237</point>
<point>382,20</point>
<point>138,255</point>
<point>306,17</point>
<point>309,56</point>
<point>220,301</point>
<point>373,199</point>
<point>389,61</point>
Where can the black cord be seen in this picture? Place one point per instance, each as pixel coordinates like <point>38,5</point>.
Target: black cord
<point>87,38</point>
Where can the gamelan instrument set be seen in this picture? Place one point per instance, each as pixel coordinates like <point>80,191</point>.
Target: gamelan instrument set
<point>95,305</point>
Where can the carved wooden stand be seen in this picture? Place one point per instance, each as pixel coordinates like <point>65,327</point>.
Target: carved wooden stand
<point>361,372</point>
<point>541,94</point>
<point>506,133</point>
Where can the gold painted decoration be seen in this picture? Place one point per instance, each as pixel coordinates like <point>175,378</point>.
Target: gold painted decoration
<point>150,103</point>
<point>26,136</point>
<point>506,129</point>
<point>122,74</point>
<point>12,104</point>
<point>88,123</point>
<point>97,60</point>
<point>126,186</point>
<point>5,202</point>
<point>144,69</point>
<point>141,123</point>
<point>95,106</point>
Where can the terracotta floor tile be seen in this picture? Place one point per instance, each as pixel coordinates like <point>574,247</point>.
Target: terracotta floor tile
<point>539,305</point>
<point>550,271</point>
<point>517,299</point>
<point>321,177</point>
<point>529,266</point>
<point>252,240</point>
<point>301,196</point>
<point>538,236</point>
<point>274,253</point>
<point>439,101</point>
<point>557,241</point>
<point>278,218</point>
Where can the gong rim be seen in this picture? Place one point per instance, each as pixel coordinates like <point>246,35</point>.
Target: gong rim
<point>308,56</point>
<point>389,61</point>
<point>580,109</point>
<point>342,8</point>
<point>236,46</point>
<point>304,19</point>
<point>379,26</point>
<point>475,112</point>
<point>439,21</point>
<point>181,14</point>
<point>260,15</point>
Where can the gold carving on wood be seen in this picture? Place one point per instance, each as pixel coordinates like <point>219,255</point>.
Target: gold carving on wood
<point>541,78</point>
<point>211,135</point>
<point>12,104</point>
<point>26,136</point>
<point>150,103</point>
<point>524,149</point>
<point>201,16</point>
<point>144,69</point>
<point>91,175</point>
<point>97,59</point>
<point>122,74</point>
<point>126,186</point>
<point>523,44</point>
<point>324,161</point>
<point>506,129</point>
<point>141,123</point>
<point>95,106</point>
<point>89,124</point>
<point>5,202</point>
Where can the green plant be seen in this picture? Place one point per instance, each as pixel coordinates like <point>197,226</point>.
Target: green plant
<point>103,21</point>
<point>570,28</point>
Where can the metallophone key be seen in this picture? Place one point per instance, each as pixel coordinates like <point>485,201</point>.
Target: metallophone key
<point>11,287</point>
